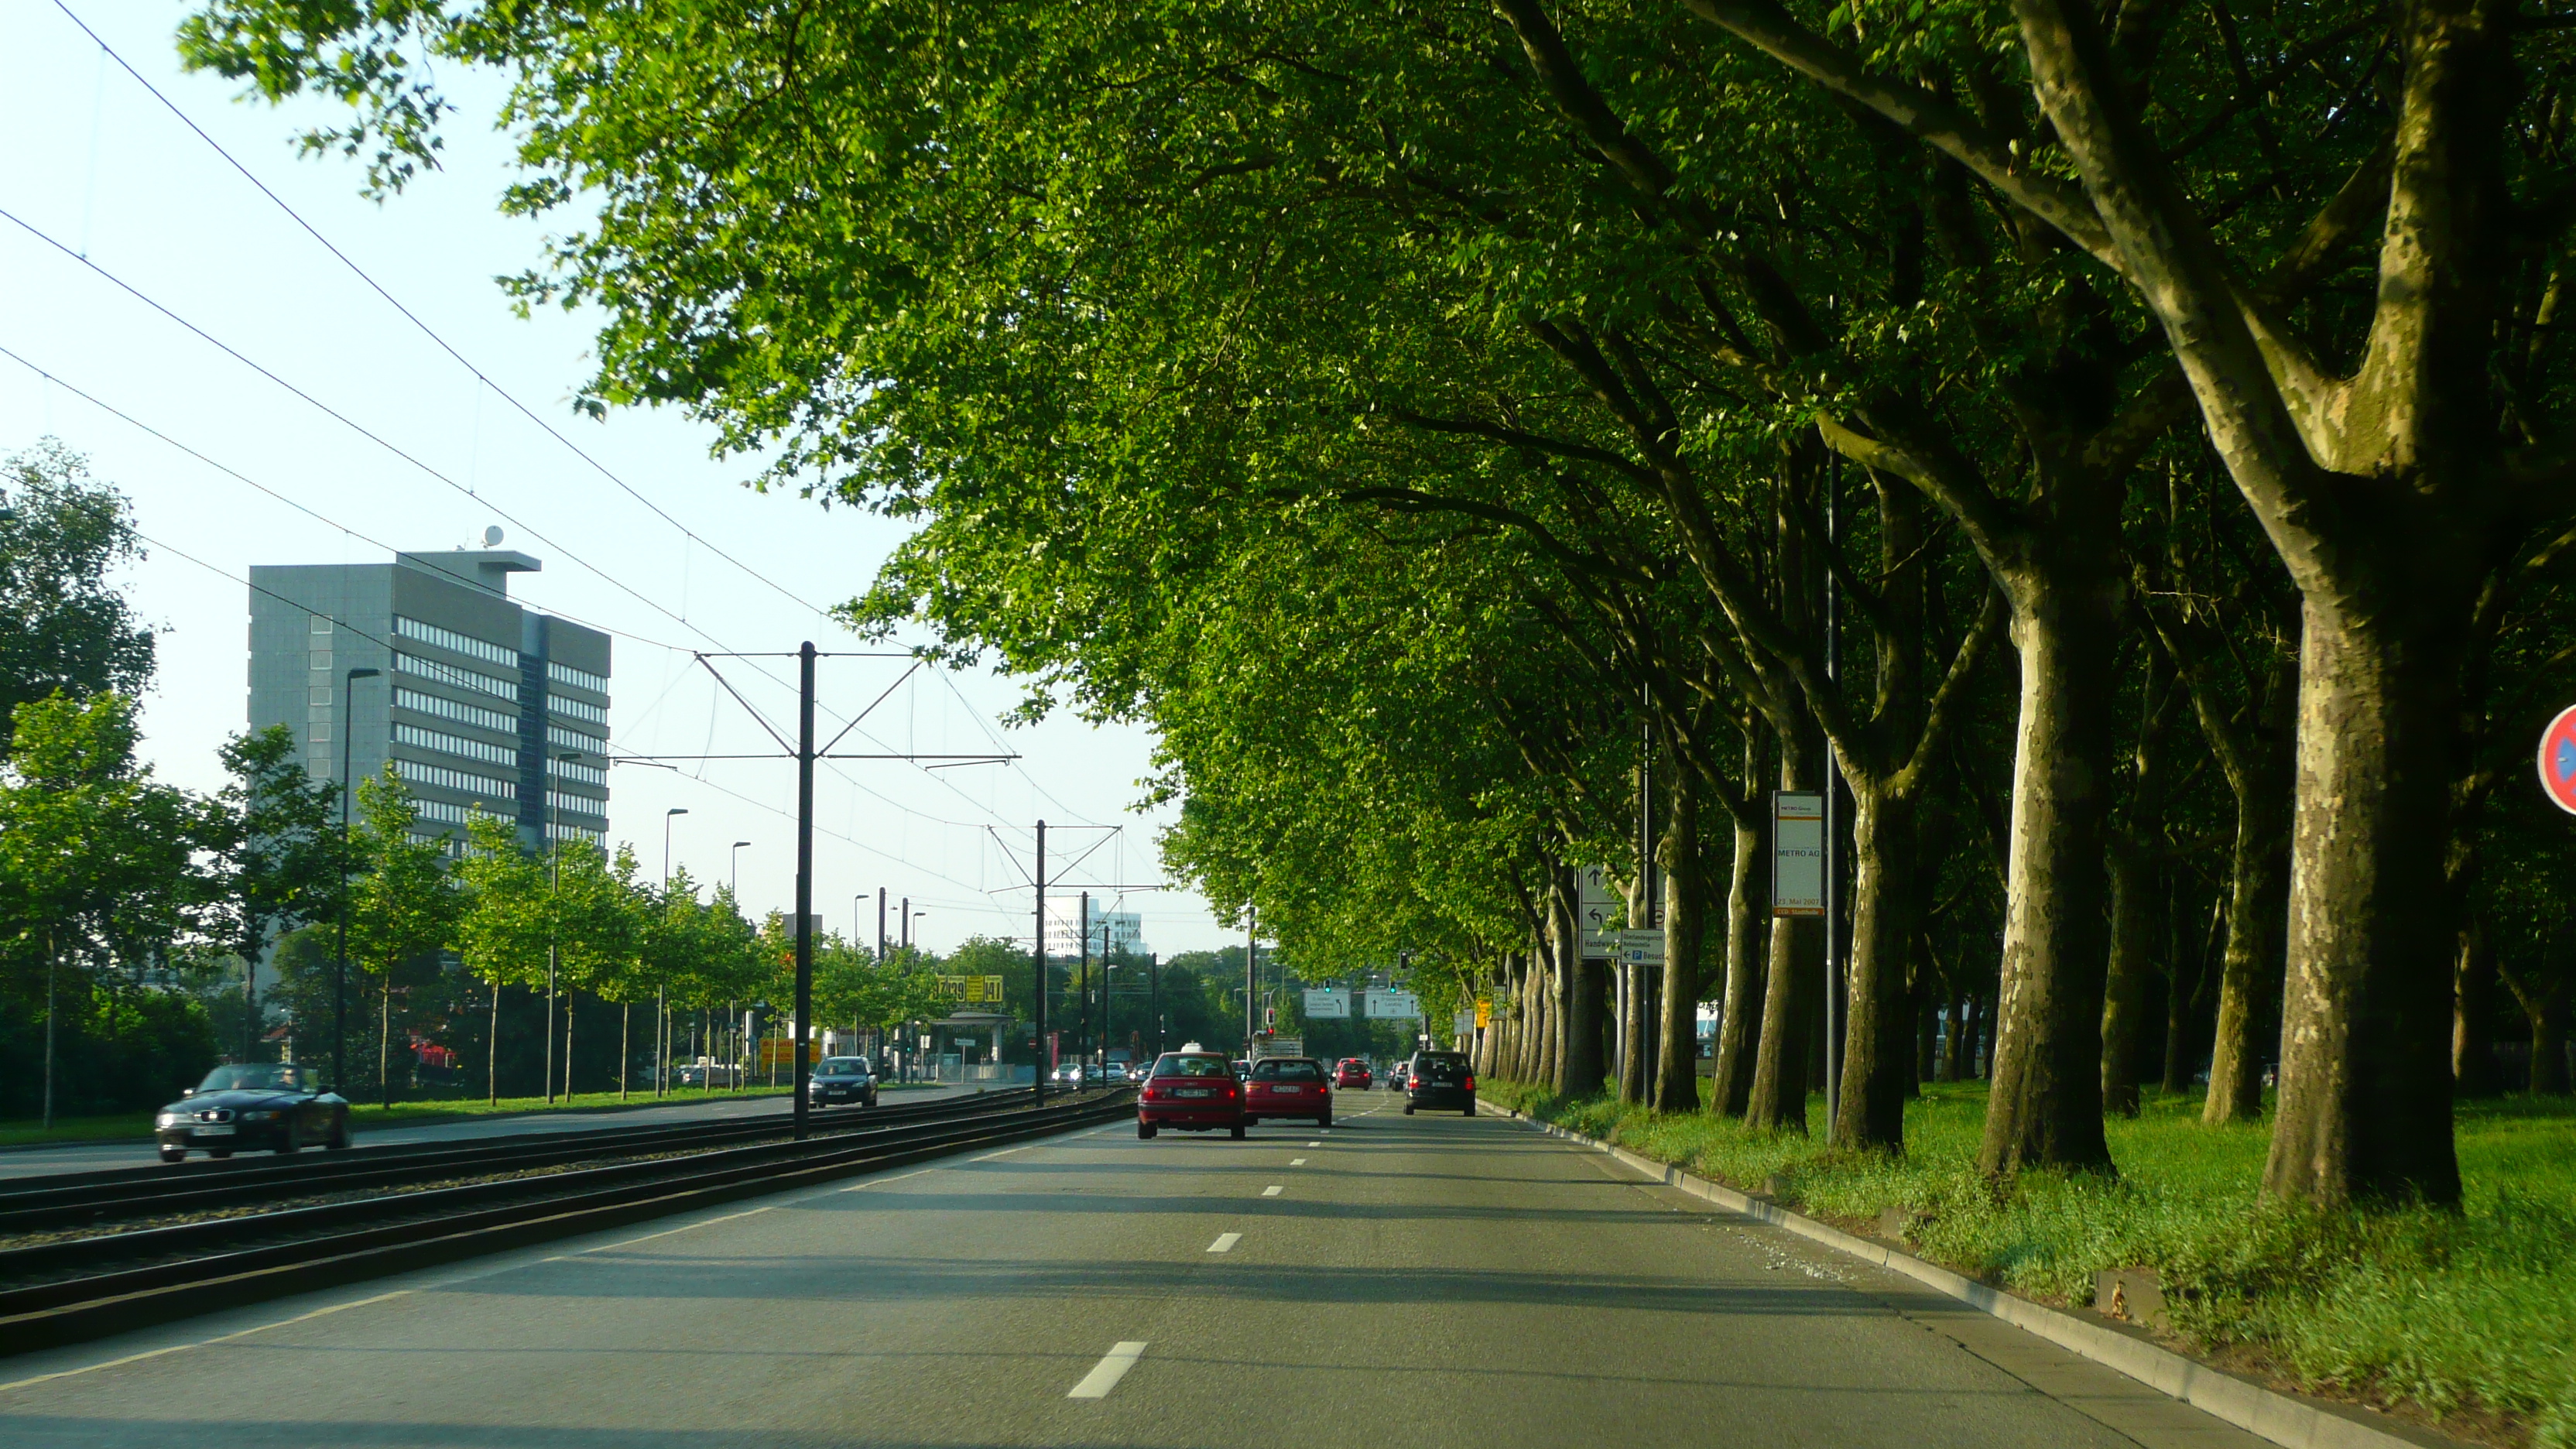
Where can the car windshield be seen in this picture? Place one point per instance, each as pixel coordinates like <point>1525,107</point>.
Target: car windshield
<point>841,1067</point>
<point>256,1077</point>
<point>1288,1071</point>
<point>1183,1065</point>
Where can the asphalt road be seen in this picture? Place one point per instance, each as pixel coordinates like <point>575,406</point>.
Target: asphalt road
<point>36,1161</point>
<point>1416,1282</point>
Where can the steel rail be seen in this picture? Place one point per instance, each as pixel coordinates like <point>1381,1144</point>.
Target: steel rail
<point>38,1204</point>
<point>450,1224</point>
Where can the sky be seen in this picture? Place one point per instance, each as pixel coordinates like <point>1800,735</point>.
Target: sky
<point>102,185</point>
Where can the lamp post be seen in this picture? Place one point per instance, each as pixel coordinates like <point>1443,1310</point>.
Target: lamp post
<point>666,839</point>
<point>661,997</point>
<point>737,873</point>
<point>340,974</point>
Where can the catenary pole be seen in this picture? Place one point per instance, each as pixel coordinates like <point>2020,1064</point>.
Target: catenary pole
<point>1251,984</point>
<point>1038,949</point>
<point>804,875</point>
<point>1082,976</point>
<point>340,973</point>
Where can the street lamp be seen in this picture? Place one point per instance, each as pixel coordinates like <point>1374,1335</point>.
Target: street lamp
<point>737,873</point>
<point>666,840</point>
<point>340,976</point>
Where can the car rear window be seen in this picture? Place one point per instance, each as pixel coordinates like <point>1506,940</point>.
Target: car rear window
<point>1181,1065</point>
<point>1440,1067</point>
<point>1290,1070</point>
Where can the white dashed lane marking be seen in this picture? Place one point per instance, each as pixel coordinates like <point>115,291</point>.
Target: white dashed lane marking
<point>1296,1162</point>
<point>1271,1191</point>
<point>1097,1383</point>
<point>1225,1242</point>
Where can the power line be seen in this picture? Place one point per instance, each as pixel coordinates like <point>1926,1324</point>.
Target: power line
<point>425,329</point>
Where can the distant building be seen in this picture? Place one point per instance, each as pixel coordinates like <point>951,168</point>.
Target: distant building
<point>477,700</point>
<point>1066,932</point>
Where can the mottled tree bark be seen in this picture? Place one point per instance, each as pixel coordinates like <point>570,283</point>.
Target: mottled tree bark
<point>1676,1086</point>
<point>2124,996</point>
<point>1579,1032</point>
<point>1793,978</point>
<point>1739,1020</point>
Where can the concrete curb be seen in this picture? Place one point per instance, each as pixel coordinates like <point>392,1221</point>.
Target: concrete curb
<point>2266,1413</point>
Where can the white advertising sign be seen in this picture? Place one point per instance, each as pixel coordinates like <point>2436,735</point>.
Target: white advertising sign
<point>1797,853</point>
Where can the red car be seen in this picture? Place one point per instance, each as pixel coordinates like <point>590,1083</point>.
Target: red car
<point>1288,1087</point>
<point>1190,1092</point>
<point>1352,1072</point>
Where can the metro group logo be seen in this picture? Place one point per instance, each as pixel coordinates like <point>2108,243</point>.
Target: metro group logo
<point>2558,760</point>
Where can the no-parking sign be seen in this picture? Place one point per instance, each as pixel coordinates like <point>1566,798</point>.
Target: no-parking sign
<point>2558,760</point>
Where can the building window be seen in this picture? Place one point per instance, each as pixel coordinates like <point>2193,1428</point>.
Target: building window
<point>447,779</point>
<point>577,708</point>
<point>321,623</point>
<point>461,643</point>
<point>562,673</point>
<point>443,743</point>
<point>457,710</point>
<point>566,739</point>
<point>461,678</point>
<point>579,773</point>
<point>576,804</point>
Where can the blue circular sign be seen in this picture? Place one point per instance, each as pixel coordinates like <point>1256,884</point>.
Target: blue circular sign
<point>2558,760</point>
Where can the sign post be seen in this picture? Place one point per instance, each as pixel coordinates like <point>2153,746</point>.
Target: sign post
<point>1797,853</point>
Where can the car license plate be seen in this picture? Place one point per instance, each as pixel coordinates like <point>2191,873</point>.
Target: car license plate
<point>216,1129</point>
<point>1191,1092</point>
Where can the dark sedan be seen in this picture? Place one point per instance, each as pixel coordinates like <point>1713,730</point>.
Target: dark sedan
<point>842,1079</point>
<point>280,1106</point>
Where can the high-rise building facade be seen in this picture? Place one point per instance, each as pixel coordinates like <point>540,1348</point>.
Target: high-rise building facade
<point>481,705</point>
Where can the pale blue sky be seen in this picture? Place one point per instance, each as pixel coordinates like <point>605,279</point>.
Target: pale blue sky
<point>97,164</point>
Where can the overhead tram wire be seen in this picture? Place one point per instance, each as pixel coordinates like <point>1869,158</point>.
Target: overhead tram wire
<point>238,476</point>
<point>317,516</point>
<point>425,329</point>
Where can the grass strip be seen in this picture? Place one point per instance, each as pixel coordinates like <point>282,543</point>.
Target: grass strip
<point>2469,1315</point>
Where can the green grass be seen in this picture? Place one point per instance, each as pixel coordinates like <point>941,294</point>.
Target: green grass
<point>2474,1310</point>
<point>364,1115</point>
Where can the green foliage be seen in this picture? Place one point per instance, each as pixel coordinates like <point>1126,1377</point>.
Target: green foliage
<point>63,626</point>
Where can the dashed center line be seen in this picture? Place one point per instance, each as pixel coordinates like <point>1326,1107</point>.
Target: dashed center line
<point>1271,1191</point>
<point>1314,1144</point>
<point>1225,1242</point>
<point>1296,1162</point>
<point>1097,1383</point>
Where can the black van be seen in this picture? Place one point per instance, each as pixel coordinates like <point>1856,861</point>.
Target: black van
<point>1440,1080</point>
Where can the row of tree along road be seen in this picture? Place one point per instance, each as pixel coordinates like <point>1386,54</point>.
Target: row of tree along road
<point>2124,453</point>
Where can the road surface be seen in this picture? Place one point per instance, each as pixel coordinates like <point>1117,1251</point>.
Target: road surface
<point>1416,1282</point>
<point>36,1161</point>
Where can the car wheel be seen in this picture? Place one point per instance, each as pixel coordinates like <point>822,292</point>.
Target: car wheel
<point>291,1140</point>
<point>1145,1129</point>
<point>1408,1109</point>
<point>174,1154</point>
<point>1238,1132</point>
<point>219,1153</point>
<point>1467,1111</point>
<point>1325,1122</point>
<point>339,1140</point>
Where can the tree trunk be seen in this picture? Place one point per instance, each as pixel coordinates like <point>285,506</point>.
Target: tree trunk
<point>2124,995</point>
<point>625,1047</point>
<point>1739,1016</point>
<point>1580,1067</point>
<point>1552,990</point>
<point>50,968</point>
<point>2045,1106</point>
<point>385,1040</point>
<point>1878,1049</point>
<point>2473,1014</point>
<point>572,1004</point>
<point>1927,1029</point>
<point>1793,978</point>
<point>2365,1080</point>
<point>2549,1047</point>
<point>2249,973</point>
<point>1631,1029</point>
<point>1954,1042</point>
<point>492,1049</point>
<point>1685,942</point>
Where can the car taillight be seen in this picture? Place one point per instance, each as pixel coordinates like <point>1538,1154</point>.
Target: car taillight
<point>1470,1084</point>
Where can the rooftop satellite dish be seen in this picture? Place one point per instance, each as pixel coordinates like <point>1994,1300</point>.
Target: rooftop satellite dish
<point>492,536</point>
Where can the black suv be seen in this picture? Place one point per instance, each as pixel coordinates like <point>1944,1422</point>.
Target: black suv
<point>1439,1080</point>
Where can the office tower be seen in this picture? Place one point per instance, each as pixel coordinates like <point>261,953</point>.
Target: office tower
<point>476,700</point>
